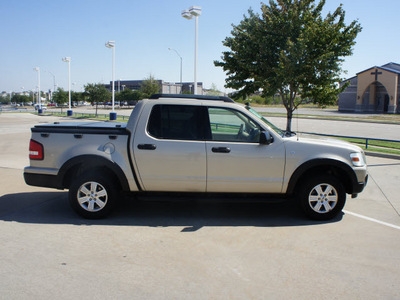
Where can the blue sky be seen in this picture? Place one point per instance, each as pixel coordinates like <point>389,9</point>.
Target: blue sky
<point>39,33</point>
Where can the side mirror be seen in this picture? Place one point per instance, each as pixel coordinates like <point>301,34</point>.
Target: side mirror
<point>266,138</point>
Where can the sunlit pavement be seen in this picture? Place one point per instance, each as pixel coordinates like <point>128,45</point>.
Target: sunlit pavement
<point>200,250</point>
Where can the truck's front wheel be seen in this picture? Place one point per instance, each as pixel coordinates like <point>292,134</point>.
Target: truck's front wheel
<point>322,197</point>
<point>93,195</point>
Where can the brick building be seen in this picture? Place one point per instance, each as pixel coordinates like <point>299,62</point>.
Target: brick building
<point>374,90</point>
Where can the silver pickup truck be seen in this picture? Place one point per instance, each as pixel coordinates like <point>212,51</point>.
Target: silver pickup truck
<point>196,145</point>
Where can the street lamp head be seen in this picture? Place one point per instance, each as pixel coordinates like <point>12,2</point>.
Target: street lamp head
<point>195,11</point>
<point>66,59</point>
<point>110,44</point>
<point>172,49</point>
<point>186,14</point>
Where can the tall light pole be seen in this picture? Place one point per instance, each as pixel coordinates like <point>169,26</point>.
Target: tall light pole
<point>111,44</point>
<point>193,11</point>
<point>181,66</point>
<point>68,60</point>
<point>37,69</point>
<point>54,82</point>
<point>22,93</point>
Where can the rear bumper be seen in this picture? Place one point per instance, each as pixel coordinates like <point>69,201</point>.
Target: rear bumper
<point>42,180</point>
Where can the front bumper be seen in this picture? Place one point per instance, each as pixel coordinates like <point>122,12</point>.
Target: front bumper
<point>359,186</point>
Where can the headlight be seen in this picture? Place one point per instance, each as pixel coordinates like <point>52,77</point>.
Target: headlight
<point>357,159</point>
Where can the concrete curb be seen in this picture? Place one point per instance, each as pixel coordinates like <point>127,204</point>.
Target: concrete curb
<point>383,155</point>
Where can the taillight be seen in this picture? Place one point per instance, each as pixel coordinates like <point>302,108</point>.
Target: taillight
<point>36,150</point>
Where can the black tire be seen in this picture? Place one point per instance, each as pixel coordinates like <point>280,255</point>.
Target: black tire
<point>322,197</point>
<point>93,195</point>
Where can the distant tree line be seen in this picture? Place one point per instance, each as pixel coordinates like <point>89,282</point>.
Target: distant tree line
<point>94,93</point>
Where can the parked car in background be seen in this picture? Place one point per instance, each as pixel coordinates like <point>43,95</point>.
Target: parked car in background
<point>43,107</point>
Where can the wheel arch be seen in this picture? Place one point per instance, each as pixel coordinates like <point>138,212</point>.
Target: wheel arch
<point>80,164</point>
<point>342,171</point>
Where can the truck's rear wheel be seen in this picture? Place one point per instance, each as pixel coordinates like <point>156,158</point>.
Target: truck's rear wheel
<point>322,197</point>
<point>93,195</point>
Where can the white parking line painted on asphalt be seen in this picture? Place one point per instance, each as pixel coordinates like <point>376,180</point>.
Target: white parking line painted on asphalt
<point>371,219</point>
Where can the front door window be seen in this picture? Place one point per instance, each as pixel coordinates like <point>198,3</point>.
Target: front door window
<point>232,126</point>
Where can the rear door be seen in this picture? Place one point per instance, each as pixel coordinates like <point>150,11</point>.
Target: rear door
<point>169,149</point>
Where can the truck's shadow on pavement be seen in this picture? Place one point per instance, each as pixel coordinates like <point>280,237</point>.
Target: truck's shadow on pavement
<point>53,208</point>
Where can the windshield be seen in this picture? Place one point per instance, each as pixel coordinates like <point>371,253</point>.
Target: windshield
<point>276,129</point>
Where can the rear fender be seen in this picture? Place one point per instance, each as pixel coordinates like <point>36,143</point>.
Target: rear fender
<point>83,163</point>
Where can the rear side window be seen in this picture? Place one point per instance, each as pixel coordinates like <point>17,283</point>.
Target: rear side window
<point>177,122</point>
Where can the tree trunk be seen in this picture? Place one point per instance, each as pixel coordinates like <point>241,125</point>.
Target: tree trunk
<point>289,111</point>
<point>289,120</point>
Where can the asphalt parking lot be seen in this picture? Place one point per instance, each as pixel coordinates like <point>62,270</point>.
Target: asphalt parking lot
<point>192,250</point>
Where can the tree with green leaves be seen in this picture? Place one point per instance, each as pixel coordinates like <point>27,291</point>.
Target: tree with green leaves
<point>149,86</point>
<point>77,97</point>
<point>128,95</point>
<point>60,97</point>
<point>4,99</point>
<point>290,50</point>
<point>20,99</point>
<point>96,93</point>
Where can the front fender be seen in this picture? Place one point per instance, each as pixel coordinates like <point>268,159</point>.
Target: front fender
<point>342,170</point>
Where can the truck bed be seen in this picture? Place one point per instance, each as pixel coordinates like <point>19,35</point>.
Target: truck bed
<point>82,144</point>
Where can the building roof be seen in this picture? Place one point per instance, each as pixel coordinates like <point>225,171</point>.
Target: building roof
<point>390,67</point>
<point>384,67</point>
<point>348,79</point>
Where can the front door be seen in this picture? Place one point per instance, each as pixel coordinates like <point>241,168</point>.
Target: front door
<point>386,104</point>
<point>236,161</point>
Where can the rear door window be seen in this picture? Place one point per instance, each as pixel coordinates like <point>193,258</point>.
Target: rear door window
<point>177,122</point>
